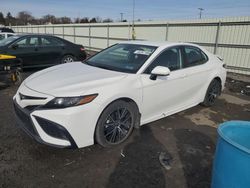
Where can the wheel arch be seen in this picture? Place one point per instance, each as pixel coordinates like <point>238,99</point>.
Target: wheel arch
<point>219,80</point>
<point>68,53</point>
<point>126,99</point>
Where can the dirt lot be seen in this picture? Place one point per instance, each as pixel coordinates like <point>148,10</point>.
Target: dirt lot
<point>188,137</point>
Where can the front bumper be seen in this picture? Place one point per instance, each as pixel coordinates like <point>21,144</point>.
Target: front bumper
<point>64,128</point>
<point>25,122</point>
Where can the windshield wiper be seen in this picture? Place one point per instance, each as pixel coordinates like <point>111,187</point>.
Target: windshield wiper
<point>103,67</point>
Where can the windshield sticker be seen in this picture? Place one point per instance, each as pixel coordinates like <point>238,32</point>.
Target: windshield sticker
<point>142,52</point>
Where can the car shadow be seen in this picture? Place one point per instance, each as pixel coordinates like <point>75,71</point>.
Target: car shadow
<point>196,152</point>
<point>140,166</point>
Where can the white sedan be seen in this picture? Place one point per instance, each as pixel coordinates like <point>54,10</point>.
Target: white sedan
<point>6,35</point>
<point>122,87</point>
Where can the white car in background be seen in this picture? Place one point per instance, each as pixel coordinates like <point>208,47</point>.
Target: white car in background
<point>6,35</point>
<point>124,86</point>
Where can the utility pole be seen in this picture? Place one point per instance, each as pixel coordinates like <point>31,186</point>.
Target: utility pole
<point>133,21</point>
<point>121,16</point>
<point>201,9</point>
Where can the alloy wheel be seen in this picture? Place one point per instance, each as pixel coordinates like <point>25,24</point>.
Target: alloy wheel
<point>213,92</point>
<point>68,59</point>
<point>117,125</point>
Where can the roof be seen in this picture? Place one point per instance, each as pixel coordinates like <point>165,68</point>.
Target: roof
<point>33,34</point>
<point>154,43</point>
<point>7,33</point>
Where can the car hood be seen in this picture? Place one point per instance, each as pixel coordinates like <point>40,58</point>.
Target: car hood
<point>71,79</point>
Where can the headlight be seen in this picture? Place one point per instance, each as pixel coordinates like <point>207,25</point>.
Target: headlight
<point>64,102</point>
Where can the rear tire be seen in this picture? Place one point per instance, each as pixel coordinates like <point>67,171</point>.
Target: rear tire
<point>67,59</point>
<point>115,123</point>
<point>213,91</point>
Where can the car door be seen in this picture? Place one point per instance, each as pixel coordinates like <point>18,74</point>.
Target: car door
<point>197,71</point>
<point>164,95</point>
<point>27,49</point>
<point>51,50</point>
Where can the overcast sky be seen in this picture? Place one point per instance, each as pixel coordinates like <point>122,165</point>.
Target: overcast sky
<point>144,9</point>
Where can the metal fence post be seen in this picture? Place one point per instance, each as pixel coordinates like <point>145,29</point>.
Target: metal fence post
<point>107,35</point>
<point>74,30</point>
<point>53,29</point>
<point>89,37</point>
<point>63,31</point>
<point>128,30</point>
<point>217,37</point>
<point>166,37</point>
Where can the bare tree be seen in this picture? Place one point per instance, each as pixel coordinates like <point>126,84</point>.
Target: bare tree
<point>2,19</point>
<point>107,20</point>
<point>84,20</point>
<point>49,19</point>
<point>92,20</point>
<point>64,20</point>
<point>24,17</point>
<point>98,19</point>
<point>9,19</point>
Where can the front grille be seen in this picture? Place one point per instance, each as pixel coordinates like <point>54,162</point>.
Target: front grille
<point>31,108</point>
<point>26,122</point>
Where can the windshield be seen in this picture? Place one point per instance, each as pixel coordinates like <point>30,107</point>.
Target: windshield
<point>6,41</point>
<point>122,57</point>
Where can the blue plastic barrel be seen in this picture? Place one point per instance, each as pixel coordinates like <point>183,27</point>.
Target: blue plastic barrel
<point>231,168</point>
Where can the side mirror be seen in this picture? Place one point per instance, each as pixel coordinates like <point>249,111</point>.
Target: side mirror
<point>159,71</point>
<point>14,46</point>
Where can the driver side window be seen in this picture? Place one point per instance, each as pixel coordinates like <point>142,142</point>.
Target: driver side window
<point>22,43</point>
<point>170,58</point>
<point>28,42</point>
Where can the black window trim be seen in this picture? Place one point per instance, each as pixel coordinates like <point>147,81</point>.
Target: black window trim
<point>183,57</point>
<point>168,48</point>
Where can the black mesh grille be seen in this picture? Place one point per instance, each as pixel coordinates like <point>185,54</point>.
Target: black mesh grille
<point>25,120</point>
<point>31,107</point>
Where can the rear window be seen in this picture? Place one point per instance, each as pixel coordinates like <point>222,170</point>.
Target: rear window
<point>194,56</point>
<point>50,41</point>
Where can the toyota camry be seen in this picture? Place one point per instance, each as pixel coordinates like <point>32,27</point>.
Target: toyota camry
<point>120,88</point>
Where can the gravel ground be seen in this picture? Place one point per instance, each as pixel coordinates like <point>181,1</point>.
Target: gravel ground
<point>188,137</point>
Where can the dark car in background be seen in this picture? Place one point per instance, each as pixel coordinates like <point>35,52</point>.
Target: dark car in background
<point>6,29</point>
<point>42,50</point>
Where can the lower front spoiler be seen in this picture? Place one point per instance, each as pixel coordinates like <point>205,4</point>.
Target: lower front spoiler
<point>24,121</point>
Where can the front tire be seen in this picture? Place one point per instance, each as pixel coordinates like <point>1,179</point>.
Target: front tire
<point>213,91</point>
<point>115,123</point>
